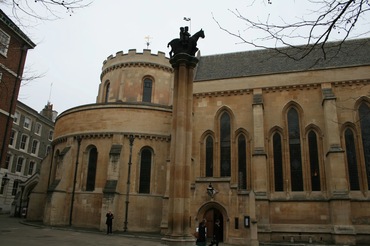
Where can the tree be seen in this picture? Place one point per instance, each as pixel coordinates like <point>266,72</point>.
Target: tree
<point>331,19</point>
<point>26,11</point>
<point>43,9</point>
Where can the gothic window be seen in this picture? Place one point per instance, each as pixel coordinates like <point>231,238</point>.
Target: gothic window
<point>145,170</point>
<point>242,162</point>
<point>351,160</point>
<point>278,162</point>
<point>91,169</point>
<point>209,156</point>
<point>107,90</point>
<point>364,113</point>
<point>147,90</point>
<point>225,145</point>
<point>295,157</point>
<point>314,161</point>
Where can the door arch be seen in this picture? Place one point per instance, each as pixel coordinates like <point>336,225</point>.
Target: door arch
<point>211,216</point>
<point>212,211</point>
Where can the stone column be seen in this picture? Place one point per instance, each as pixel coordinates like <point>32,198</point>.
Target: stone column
<point>180,153</point>
<point>259,158</point>
<point>340,205</point>
<point>259,166</point>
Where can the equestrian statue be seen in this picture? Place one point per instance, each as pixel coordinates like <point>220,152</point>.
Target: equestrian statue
<point>186,43</point>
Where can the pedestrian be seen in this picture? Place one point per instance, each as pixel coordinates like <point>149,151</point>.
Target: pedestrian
<point>202,234</point>
<point>216,233</point>
<point>109,222</point>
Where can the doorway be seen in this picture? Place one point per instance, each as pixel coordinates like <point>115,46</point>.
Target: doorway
<point>211,215</point>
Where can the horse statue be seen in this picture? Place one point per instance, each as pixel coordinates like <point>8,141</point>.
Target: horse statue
<point>188,46</point>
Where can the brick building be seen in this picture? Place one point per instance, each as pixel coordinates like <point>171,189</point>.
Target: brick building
<point>14,45</point>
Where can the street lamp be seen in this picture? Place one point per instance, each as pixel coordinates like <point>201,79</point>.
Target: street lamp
<point>131,138</point>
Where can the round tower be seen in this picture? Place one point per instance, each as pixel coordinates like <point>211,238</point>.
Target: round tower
<point>136,77</point>
<point>87,173</point>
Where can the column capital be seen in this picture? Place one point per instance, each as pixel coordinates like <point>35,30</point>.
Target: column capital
<point>184,59</point>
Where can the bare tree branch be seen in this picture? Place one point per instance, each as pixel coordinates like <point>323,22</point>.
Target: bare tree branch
<point>43,9</point>
<point>331,18</point>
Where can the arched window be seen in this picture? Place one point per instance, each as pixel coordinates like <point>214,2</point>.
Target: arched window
<point>314,161</point>
<point>295,157</point>
<point>91,169</point>
<point>209,156</point>
<point>364,113</point>
<point>145,171</point>
<point>242,162</point>
<point>107,90</point>
<point>147,90</point>
<point>278,162</point>
<point>354,183</point>
<point>225,145</point>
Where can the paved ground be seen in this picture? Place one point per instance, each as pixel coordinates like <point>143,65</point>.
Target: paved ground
<point>15,233</point>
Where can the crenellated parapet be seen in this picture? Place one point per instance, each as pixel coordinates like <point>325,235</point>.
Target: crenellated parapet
<point>138,59</point>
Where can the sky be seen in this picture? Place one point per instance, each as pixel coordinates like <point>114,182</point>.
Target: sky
<point>70,51</point>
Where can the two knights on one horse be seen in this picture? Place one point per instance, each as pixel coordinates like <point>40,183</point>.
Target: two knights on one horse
<point>186,43</point>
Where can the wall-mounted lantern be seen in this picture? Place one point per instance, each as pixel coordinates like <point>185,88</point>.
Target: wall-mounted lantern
<point>210,190</point>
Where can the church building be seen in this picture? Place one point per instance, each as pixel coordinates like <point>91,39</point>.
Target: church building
<point>279,148</point>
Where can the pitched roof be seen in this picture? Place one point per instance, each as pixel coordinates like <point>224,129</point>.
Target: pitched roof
<point>268,61</point>
<point>8,22</point>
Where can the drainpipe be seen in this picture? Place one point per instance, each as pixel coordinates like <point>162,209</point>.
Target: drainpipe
<point>74,180</point>
<point>131,138</point>
<point>51,164</point>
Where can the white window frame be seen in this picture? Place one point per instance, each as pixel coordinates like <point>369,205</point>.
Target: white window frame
<point>15,187</point>
<point>16,117</point>
<point>9,161</point>
<point>13,138</point>
<point>25,147</point>
<point>4,42</point>
<point>31,167</point>
<point>51,133</point>
<point>27,123</point>
<point>38,128</point>
<point>20,158</point>
<point>35,149</point>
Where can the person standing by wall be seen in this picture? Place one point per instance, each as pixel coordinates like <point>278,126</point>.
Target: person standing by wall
<point>216,233</point>
<point>202,234</point>
<point>109,222</point>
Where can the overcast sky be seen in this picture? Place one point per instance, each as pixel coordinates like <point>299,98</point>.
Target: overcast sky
<point>70,51</point>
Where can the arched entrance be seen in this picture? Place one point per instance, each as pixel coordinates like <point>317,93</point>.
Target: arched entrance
<point>212,211</point>
<point>211,216</point>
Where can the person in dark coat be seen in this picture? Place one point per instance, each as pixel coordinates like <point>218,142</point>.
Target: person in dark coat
<point>109,222</point>
<point>202,234</point>
<point>216,233</point>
